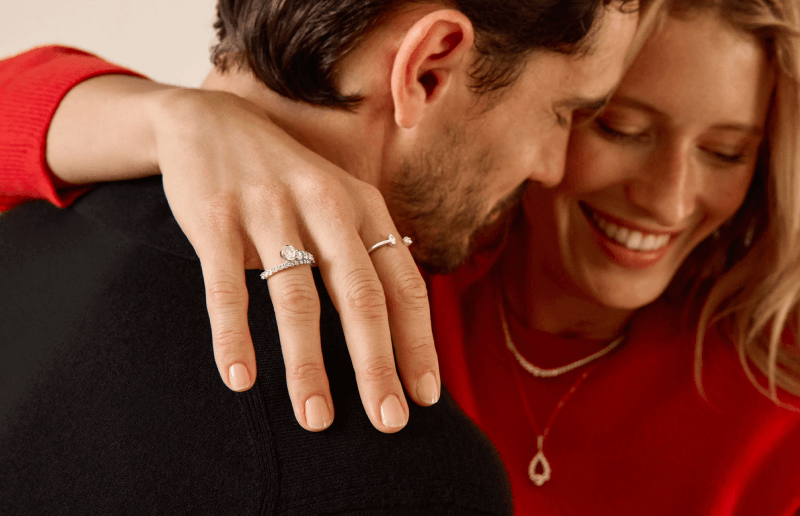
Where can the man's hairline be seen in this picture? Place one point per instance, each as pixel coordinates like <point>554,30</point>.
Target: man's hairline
<point>585,48</point>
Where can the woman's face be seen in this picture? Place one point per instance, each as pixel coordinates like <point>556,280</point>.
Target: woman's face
<point>664,166</point>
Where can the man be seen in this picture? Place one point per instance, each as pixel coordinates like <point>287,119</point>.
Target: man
<point>448,112</point>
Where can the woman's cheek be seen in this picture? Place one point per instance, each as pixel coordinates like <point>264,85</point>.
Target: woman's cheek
<point>728,192</point>
<point>591,163</point>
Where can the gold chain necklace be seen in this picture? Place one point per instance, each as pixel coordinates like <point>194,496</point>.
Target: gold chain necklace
<point>539,460</point>
<point>540,372</point>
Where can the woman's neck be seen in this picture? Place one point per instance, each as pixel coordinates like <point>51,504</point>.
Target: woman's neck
<point>541,300</point>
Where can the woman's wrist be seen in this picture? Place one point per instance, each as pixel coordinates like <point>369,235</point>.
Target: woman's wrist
<point>104,130</point>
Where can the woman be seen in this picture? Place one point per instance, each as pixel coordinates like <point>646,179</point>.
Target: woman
<point>580,343</point>
<point>657,236</point>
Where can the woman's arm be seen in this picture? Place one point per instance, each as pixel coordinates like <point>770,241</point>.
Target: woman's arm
<point>227,169</point>
<point>32,86</point>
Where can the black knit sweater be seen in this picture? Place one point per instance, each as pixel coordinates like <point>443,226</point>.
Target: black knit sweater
<point>110,401</point>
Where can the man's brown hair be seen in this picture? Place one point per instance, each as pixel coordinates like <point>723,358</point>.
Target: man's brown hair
<point>293,46</point>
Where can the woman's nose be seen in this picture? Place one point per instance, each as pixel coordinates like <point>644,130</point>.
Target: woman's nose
<point>667,189</point>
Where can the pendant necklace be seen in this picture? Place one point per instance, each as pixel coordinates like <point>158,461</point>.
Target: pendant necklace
<point>539,461</point>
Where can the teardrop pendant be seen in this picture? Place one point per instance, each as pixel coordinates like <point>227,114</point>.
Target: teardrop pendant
<point>539,460</point>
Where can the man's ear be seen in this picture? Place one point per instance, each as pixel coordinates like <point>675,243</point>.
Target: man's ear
<point>434,50</point>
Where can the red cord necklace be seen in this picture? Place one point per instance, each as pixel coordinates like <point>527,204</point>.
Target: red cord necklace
<point>539,460</point>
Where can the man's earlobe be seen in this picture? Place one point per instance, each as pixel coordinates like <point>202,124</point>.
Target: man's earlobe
<point>435,50</point>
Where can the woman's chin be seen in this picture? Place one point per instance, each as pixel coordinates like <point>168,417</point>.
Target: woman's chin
<point>624,295</point>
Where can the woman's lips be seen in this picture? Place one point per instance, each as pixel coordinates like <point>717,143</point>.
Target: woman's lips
<point>626,245</point>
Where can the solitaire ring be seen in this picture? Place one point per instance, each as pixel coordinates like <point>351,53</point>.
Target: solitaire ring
<point>291,258</point>
<point>391,241</point>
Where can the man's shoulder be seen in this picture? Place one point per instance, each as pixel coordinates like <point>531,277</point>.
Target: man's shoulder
<point>441,463</point>
<point>107,354</point>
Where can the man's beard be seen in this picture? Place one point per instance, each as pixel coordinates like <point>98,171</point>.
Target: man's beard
<point>438,199</point>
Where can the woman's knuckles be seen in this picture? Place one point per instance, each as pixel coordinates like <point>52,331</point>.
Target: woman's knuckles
<point>363,294</point>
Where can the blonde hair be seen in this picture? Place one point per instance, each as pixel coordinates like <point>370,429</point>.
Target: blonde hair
<point>746,280</point>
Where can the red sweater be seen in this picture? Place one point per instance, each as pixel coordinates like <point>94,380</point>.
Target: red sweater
<point>635,438</point>
<point>32,86</point>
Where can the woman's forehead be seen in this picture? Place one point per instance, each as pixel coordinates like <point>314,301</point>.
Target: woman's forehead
<point>705,64</point>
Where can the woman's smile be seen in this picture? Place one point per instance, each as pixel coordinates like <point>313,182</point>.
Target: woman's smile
<point>628,244</point>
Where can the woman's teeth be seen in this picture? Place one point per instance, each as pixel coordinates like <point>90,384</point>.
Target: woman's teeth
<point>632,239</point>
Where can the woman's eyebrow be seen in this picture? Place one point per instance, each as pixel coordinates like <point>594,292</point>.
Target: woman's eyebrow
<point>637,104</point>
<point>589,106</point>
<point>745,128</point>
<point>733,126</point>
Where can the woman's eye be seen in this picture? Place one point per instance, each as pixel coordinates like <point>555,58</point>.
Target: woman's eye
<point>726,154</point>
<point>614,134</point>
<point>728,158</point>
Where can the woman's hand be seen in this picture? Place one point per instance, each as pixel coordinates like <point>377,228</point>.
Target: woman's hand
<point>241,189</point>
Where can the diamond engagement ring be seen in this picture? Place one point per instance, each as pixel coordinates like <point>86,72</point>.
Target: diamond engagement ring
<point>292,258</point>
<point>391,241</point>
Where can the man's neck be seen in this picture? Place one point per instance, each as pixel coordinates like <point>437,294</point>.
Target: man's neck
<point>353,142</point>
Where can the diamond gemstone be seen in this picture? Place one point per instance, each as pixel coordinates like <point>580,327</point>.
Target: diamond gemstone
<point>407,241</point>
<point>289,253</point>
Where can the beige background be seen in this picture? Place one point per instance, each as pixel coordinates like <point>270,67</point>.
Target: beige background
<point>167,40</point>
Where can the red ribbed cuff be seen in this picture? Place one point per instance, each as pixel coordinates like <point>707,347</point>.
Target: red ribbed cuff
<point>32,85</point>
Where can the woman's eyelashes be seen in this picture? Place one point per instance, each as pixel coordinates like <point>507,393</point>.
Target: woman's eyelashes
<point>617,134</point>
<point>736,152</point>
<point>727,158</point>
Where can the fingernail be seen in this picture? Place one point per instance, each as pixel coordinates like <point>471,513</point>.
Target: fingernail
<point>392,413</point>
<point>428,389</point>
<point>239,377</point>
<point>318,416</point>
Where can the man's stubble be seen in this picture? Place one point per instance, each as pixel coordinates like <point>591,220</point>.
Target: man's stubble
<point>438,197</point>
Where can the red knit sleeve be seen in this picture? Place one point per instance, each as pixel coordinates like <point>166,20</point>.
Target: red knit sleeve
<point>32,86</point>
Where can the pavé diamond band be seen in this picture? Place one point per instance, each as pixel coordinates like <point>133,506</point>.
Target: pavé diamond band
<point>292,258</point>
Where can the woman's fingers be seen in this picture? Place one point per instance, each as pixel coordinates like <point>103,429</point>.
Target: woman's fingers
<point>406,299</point>
<point>410,322</point>
<point>357,293</point>
<point>297,311</point>
<point>227,300</point>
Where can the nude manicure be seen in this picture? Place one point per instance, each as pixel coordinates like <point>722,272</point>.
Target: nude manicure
<point>239,377</point>
<point>428,389</point>
<point>392,413</point>
<point>318,416</point>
